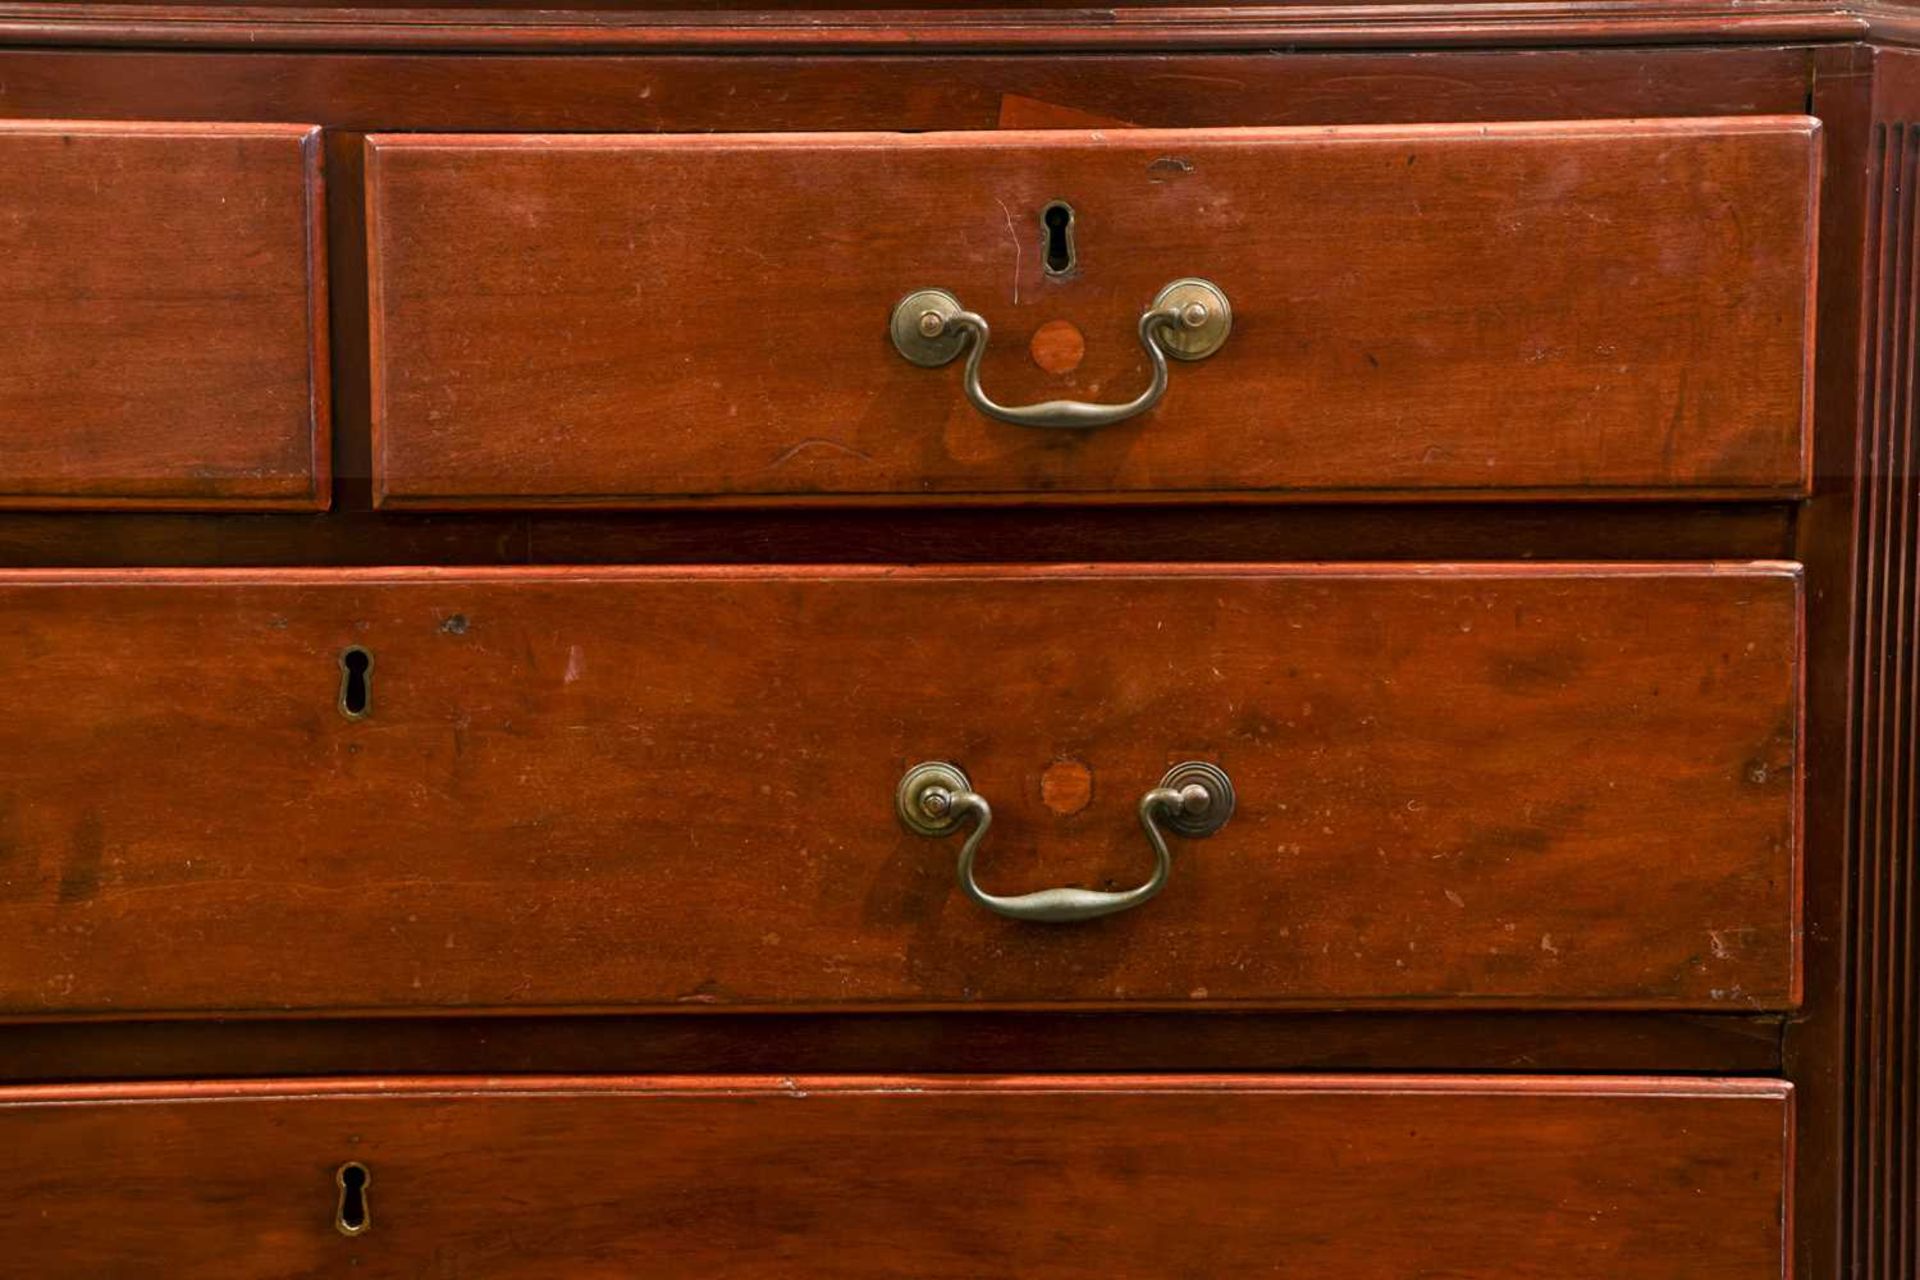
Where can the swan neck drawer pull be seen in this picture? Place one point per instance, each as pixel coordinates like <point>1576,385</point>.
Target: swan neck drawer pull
<point>1194,800</point>
<point>1188,320</point>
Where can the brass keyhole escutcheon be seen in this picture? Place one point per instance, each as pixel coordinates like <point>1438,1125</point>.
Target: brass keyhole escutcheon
<point>1057,222</point>
<point>356,683</point>
<point>351,1217</point>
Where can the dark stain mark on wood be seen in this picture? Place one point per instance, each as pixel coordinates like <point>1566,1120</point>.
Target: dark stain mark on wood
<point>80,874</point>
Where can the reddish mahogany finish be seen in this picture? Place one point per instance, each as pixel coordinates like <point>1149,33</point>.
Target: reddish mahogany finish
<point>1879,1059</point>
<point>1545,786</point>
<point>633,69</point>
<point>1081,1177</point>
<point>162,316</point>
<point>1058,26</point>
<point>1582,308</point>
<point>907,91</point>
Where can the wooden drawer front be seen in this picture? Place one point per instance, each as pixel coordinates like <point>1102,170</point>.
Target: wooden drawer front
<point>1587,308</point>
<point>162,316</point>
<point>612,788</point>
<point>929,1177</point>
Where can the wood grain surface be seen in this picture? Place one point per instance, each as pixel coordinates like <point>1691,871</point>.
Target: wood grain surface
<point>912,92</point>
<point>163,316</point>
<point>1094,1177</point>
<point>225,705</point>
<point>1049,26</point>
<point>1876,1072</point>
<point>1523,786</point>
<point>1600,308</point>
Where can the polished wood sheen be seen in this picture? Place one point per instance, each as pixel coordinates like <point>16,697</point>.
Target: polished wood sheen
<point>349,858</point>
<point>1056,26</point>
<point>1594,308</point>
<point>674,788</point>
<point>911,92</point>
<point>1881,1064</point>
<point>1060,1177</point>
<point>162,316</point>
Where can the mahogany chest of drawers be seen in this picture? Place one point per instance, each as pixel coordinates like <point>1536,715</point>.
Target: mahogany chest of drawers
<point>1155,642</point>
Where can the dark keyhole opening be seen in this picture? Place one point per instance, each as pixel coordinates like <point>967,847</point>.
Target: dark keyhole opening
<point>351,1218</point>
<point>1057,218</point>
<point>356,675</point>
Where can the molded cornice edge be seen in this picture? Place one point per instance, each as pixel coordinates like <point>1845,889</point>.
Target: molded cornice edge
<point>1893,24</point>
<point>775,29</point>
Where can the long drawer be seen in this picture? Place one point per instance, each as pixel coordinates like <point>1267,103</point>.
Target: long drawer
<point>616,788</point>
<point>1583,308</point>
<point>1149,1177</point>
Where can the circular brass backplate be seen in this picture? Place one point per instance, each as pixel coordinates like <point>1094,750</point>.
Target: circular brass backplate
<point>1181,342</point>
<point>910,336</point>
<point>922,778</point>
<point>1211,776</point>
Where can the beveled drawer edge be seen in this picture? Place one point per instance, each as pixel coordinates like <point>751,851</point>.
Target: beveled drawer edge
<point>1475,1085</point>
<point>396,574</point>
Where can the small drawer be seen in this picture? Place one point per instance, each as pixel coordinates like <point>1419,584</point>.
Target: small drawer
<point>940,1178</point>
<point>162,316</point>
<point>522,789</point>
<point>1576,309</point>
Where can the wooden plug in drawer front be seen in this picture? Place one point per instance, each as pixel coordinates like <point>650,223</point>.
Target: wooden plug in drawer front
<point>162,316</point>
<point>1378,1179</point>
<point>610,788</point>
<point>1584,309</point>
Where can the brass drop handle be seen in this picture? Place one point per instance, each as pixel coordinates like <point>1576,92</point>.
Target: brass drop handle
<point>1194,800</point>
<point>1188,320</point>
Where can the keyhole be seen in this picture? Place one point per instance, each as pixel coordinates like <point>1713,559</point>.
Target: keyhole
<point>356,675</point>
<point>352,1218</point>
<point>1057,218</point>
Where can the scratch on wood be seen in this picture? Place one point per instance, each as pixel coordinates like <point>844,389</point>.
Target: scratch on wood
<point>816,442</point>
<point>1017,252</point>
